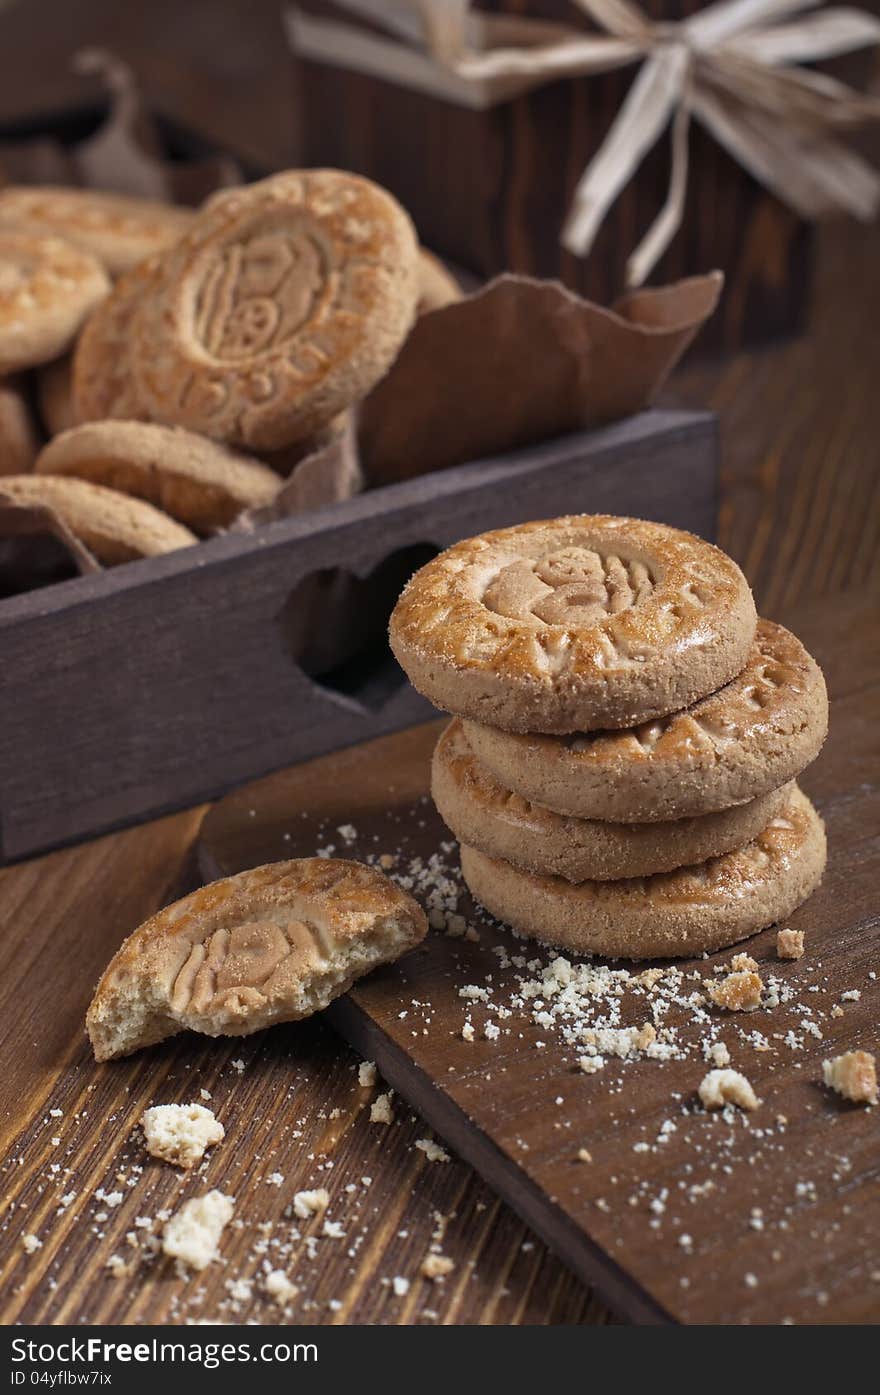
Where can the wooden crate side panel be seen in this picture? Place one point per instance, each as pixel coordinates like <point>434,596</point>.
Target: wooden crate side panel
<point>155,693</point>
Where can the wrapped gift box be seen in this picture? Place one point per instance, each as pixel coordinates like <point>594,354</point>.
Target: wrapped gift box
<point>490,189</point>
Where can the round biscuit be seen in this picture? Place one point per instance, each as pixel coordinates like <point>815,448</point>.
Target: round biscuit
<point>113,526</point>
<point>119,230</point>
<point>573,624</point>
<point>486,816</point>
<point>198,481</point>
<point>754,734</point>
<point>691,911</point>
<point>284,304</point>
<point>47,288</point>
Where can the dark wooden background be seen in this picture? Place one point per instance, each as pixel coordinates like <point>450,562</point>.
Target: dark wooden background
<point>800,511</point>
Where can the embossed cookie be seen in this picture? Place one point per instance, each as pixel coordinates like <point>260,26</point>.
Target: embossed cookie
<point>485,815</point>
<point>753,735</point>
<point>573,624</point>
<point>437,286</point>
<point>200,482</point>
<point>47,288</point>
<point>285,303</point>
<point>18,437</point>
<point>102,385</point>
<point>690,911</point>
<point>114,527</point>
<point>273,944</point>
<point>117,229</point>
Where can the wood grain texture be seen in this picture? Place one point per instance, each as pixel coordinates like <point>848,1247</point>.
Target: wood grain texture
<point>800,470</point>
<point>519,1114</point>
<point>168,720</point>
<point>62,917</point>
<point>797,416</point>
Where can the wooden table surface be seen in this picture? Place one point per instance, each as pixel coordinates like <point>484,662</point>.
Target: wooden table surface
<point>799,511</point>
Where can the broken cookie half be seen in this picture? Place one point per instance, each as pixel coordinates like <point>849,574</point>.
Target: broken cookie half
<point>273,944</point>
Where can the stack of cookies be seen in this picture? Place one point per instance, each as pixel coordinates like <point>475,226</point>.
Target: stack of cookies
<point>620,769</point>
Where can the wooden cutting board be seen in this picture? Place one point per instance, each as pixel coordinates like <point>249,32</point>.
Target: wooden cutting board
<point>672,1214</point>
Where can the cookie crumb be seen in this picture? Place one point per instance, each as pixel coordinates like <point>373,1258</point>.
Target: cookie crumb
<point>740,989</point>
<point>192,1235</point>
<point>584,1155</point>
<point>400,1285</point>
<point>721,1087</point>
<point>30,1244</point>
<point>279,1288</point>
<point>367,1074</point>
<point>432,1151</point>
<point>436,1267</point>
<point>789,944</point>
<point>381,1111</point>
<point>591,1064</point>
<point>180,1133</point>
<point>719,1054</point>
<point>853,1075</point>
<point>310,1203</point>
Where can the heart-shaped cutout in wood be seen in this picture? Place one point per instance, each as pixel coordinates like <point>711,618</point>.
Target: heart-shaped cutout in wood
<point>335,626</point>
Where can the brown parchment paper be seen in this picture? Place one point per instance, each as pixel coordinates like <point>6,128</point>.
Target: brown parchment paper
<point>325,475</point>
<point>519,362</point>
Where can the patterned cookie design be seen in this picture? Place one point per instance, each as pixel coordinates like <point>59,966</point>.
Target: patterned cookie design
<point>47,288</point>
<point>574,586</point>
<point>752,736</point>
<point>573,624</point>
<point>285,302</point>
<point>484,815</point>
<point>117,229</point>
<point>274,944</point>
<point>256,295</point>
<point>690,911</point>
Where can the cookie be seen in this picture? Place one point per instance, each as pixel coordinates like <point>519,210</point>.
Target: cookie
<point>200,482</point>
<point>54,396</point>
<point>114,527</point>
<point>437,286</point>
<point>573,624</point>
<point>102,385</point>
<point>273,944</point>
<point>285,303</point>
<point>693,910</point>
<point>18,436</point>
<point>118,230</point>
<point>753,735</point>
<point>485,815</point>
<point>47,288</point>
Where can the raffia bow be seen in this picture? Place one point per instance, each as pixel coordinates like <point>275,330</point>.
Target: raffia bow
<point>731,66</point>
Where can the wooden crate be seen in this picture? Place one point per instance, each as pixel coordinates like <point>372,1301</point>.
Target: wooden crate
<point>489,190</point>
<point>172,680</point>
